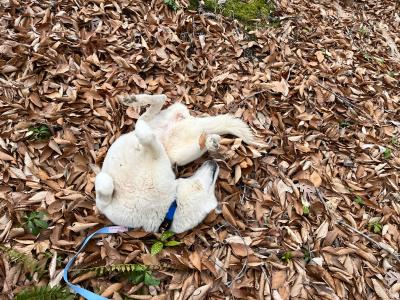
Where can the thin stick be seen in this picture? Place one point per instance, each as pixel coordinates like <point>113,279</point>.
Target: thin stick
<point>244,268</point>
<point>344,100</point>
<point>321,197</point>
<point>256,93</point>
<point>379,245</point>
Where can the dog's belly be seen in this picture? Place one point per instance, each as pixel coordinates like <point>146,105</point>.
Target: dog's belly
<point>144,187</point>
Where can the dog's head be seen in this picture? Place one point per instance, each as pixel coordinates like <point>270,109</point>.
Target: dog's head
<point>196,197</point>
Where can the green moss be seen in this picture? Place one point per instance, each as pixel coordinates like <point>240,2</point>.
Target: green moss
<point>249,13</point>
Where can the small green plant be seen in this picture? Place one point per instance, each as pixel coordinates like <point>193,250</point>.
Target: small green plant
<point>39,132</point>
<point>359,200</point>
<point>35,222</point>
<point>391,74</point>
<point>326,54</point>
<point>59,260</point>
<point>101,270</point>
<point>380,60</point>
<point>266,220</point>
<point>45,293</point>
<point>287,256</point>
<point>375,226</point>
<point>344,124</point>
<point>13,255</point>
<point>366,56</point>
<point>171,4</point>
<point>136,273</point>
<point>163,242</point>
<point>306,210</point>
<point>307,255</point>
<point>394,141</point>
<point>274,21</point>
<point>363,31</point>
<point>142,273</point>
<point>387,153</point>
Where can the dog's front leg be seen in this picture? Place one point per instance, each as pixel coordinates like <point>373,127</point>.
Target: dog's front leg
<point>156,103</point>
<point>148,139</point>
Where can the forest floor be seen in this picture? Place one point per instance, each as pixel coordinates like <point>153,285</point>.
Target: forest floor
<point>313,215</point>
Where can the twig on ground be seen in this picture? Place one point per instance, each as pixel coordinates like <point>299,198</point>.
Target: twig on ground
<point>344,100</point>
<point>381,246</point>
<point>254,94</point>
<point>321,197</point>
<point>244,268</point>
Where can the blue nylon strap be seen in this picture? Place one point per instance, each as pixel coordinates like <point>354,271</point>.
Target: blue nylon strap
<point>106,230</point>
<point>77,289</point>
<point>171,211</point>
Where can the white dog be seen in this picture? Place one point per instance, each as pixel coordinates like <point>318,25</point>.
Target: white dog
<point>137,185</point>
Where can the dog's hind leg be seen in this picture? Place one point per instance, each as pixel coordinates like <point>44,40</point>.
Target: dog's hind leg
<point>156,103</point>
<point>104,189</point>
<point>226,124</point>
<point>148,139</point>
<point>189,148</point>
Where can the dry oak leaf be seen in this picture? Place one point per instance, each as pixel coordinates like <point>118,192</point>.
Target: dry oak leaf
<point>316,179</point>
<point>241,250</point>
<point>109,291</point>
<point>338,186</point>
<point>282,188</point>
<point>277,86</point>
<point>320,56</point>
<point>380,290</point>
<point>5,156</point>
<point>201,292</point>
<point>195,259</point>
<point>150,260</point>
<point>77,226</point>
<point>228,215</point>
<point>322,230</point>
<point>278,279</point>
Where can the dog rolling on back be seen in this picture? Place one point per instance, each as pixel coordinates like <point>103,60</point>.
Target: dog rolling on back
<point>137,185</point>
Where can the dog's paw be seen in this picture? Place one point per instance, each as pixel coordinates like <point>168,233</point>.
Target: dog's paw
<point>141,99</point>
<point>212,142</point>
<point>129,100</point>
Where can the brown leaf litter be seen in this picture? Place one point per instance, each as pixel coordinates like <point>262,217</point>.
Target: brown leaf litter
<point>298,215</point>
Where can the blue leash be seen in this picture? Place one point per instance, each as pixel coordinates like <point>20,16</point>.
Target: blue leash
<point>77,289</point>
<point>110,230</point>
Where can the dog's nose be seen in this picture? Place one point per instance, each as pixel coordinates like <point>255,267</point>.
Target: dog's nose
<point>213,165</point>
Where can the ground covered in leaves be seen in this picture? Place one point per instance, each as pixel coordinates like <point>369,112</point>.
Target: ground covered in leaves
<point>314,215</point>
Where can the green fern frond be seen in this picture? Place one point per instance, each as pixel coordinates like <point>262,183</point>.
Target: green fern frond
<point>18,257</point>
<point>119,268</point>
<point>45,293</point>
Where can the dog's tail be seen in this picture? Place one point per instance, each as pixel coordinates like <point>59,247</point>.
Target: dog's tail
<point>227,124</point>
<point>104,189</point>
